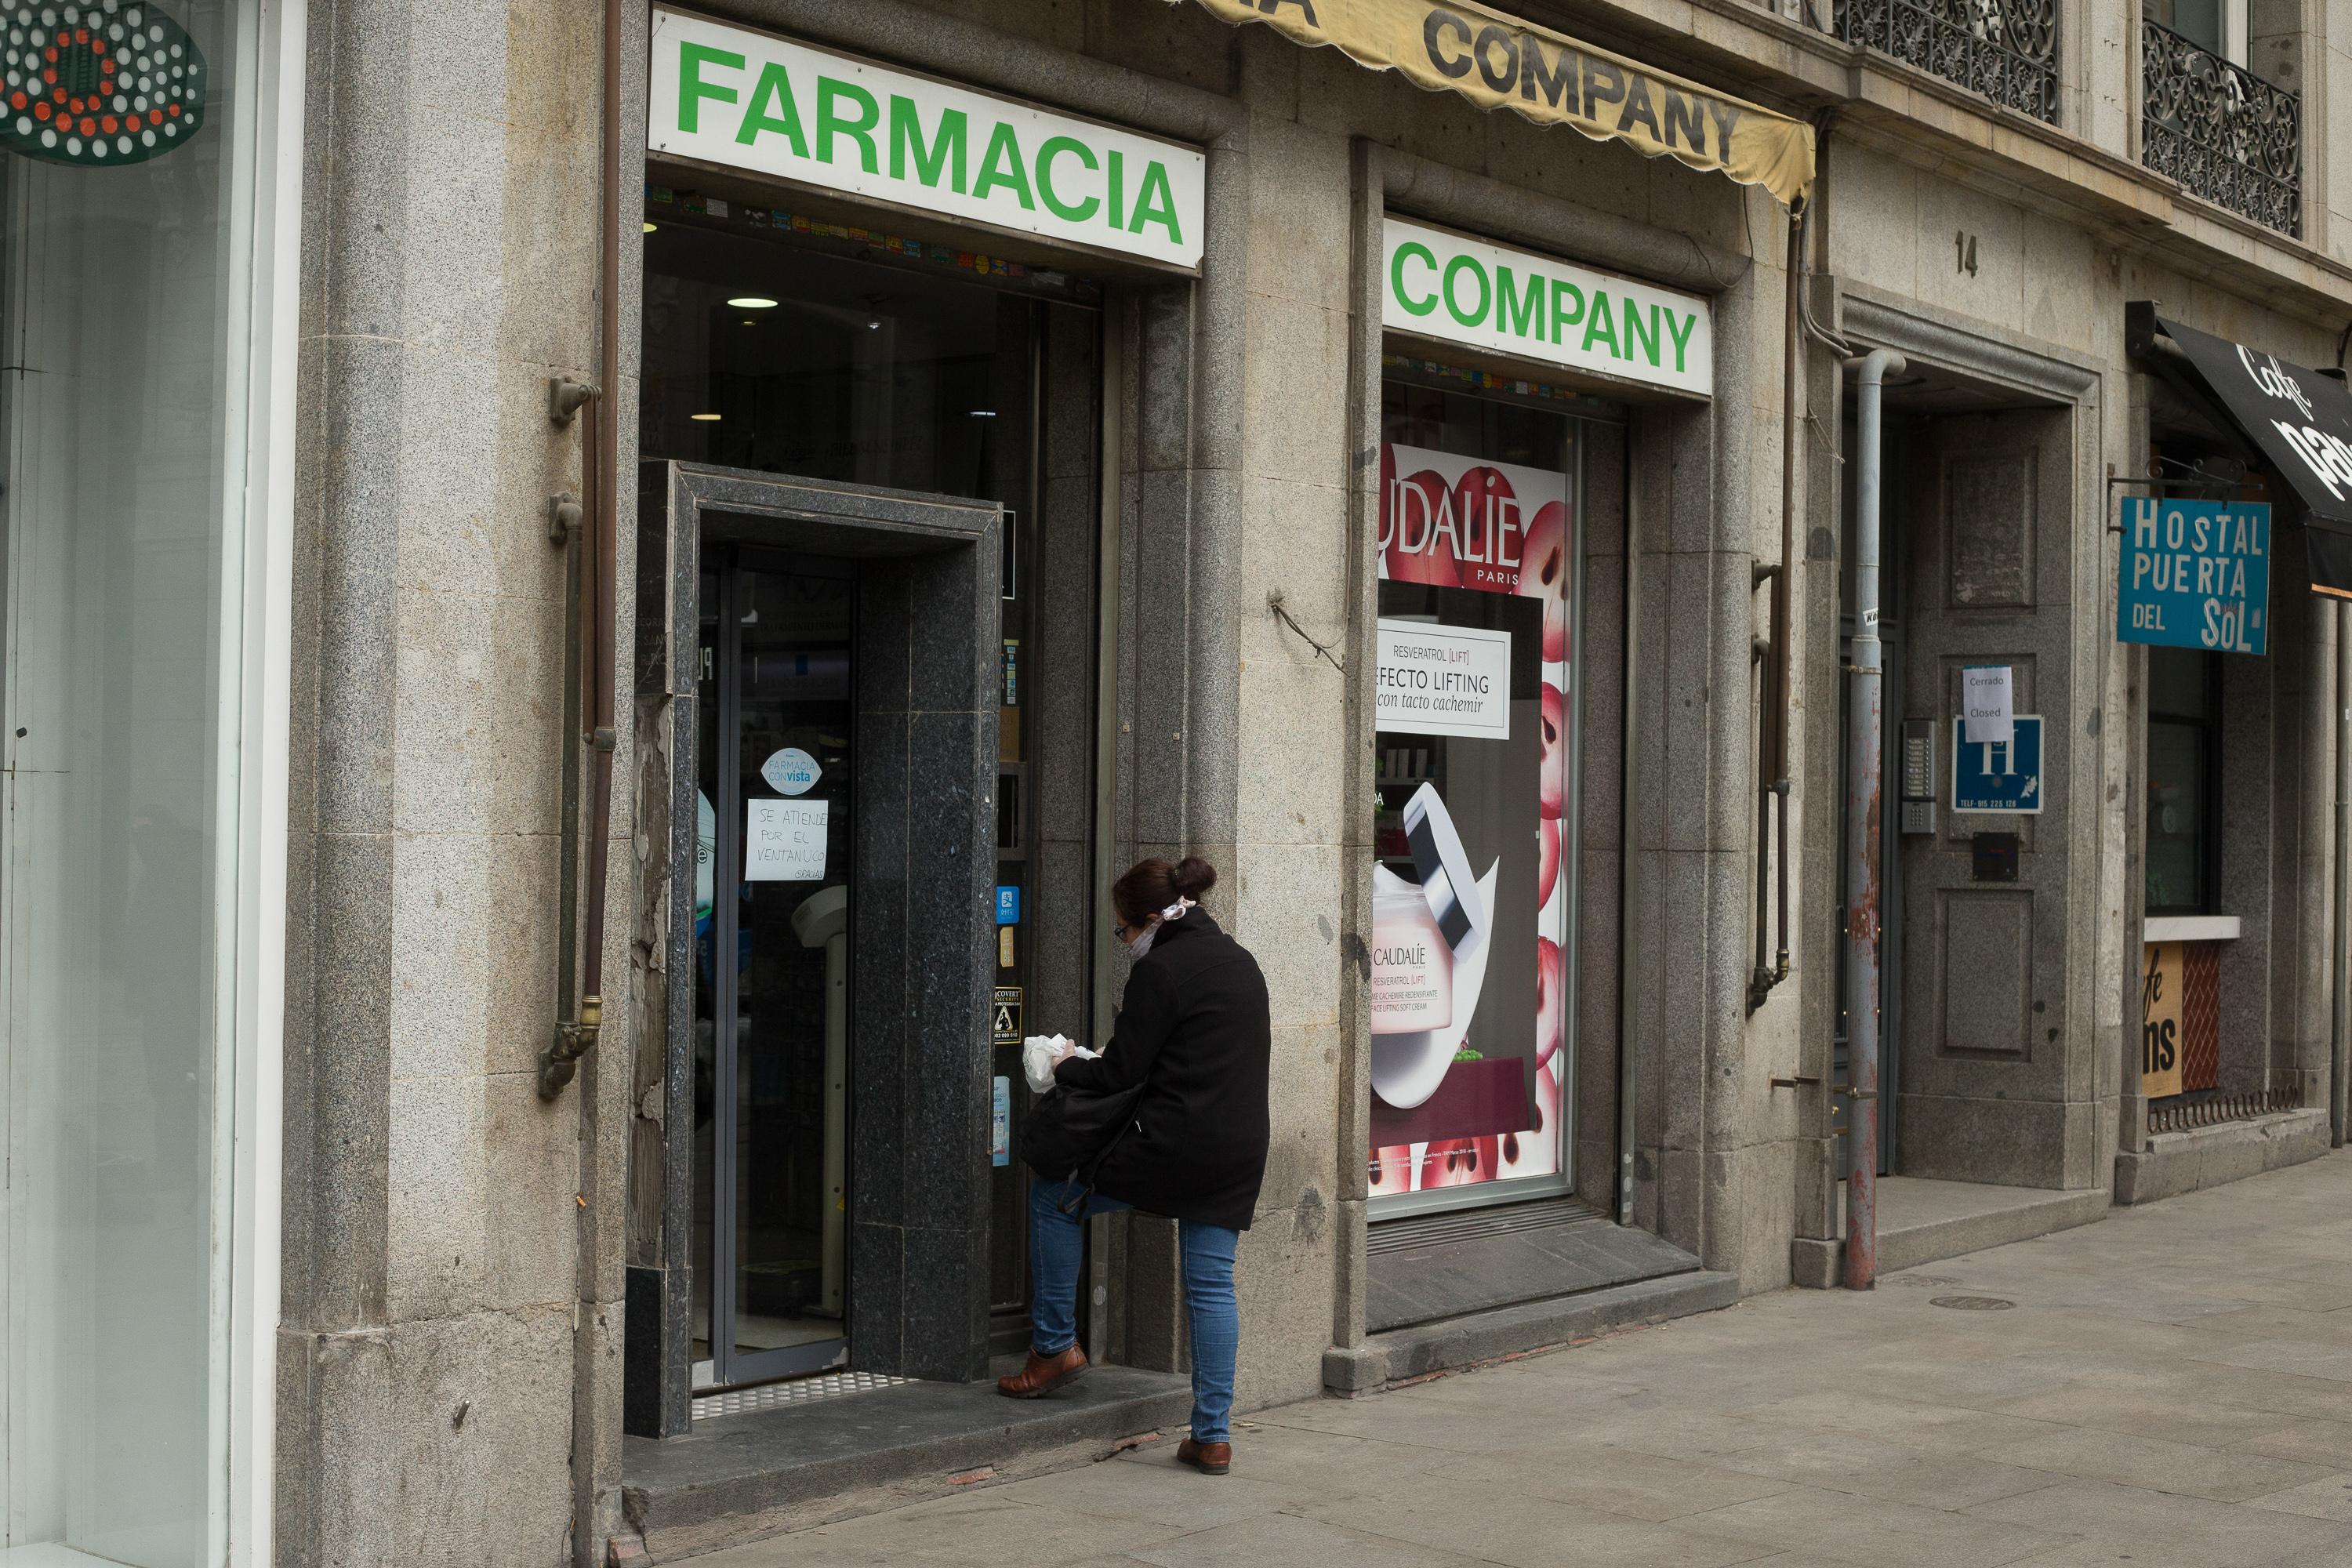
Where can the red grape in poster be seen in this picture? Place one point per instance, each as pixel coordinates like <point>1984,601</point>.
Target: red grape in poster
<point>1543,574</point>
<point>1392,1170</point>
<point>1551,1001</point>
<point>1548,864</point>
<point>1553,716</point>
<point>1492,530</point>
<point>1459,1162</point>
<point>1536,1152</point>
<point>1417,550</point>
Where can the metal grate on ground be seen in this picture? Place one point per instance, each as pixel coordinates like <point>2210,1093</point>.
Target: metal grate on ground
<point>1401,1234</point>
<point>794,1391</point>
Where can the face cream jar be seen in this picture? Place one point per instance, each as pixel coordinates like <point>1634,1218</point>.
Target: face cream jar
<point>1412,969</point>
<point>1420,933</point>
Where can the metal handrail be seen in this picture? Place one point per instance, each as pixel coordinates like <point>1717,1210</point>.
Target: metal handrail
<point>2223,133</point>
<point>2005,49</point>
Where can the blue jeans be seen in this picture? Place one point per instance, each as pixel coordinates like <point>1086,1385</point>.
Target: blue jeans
<point>1056,1246</point>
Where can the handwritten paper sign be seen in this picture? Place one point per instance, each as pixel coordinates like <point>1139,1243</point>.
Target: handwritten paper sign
<point>1987,710</point>
<point>783,840</point>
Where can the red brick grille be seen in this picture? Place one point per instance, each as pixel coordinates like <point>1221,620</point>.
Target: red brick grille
<point>2200,1016</point>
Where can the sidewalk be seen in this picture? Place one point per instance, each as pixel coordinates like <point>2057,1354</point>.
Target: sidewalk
<point>2169,1387</point>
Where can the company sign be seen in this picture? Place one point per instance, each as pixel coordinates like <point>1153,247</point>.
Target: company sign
<point>2195,574</point>
<point>1530,307</point>
<point>1497,60</point>
<point>742,100</point>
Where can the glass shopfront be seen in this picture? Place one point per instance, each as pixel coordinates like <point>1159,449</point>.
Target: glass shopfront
<point>778,345</point>
<point>863,358</point>
<point>127,283</point>
<point>1495,455</point>
<point>1475,858</point>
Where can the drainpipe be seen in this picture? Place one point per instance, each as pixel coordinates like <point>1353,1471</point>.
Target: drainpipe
<point>1772,734</point>
<point>594,540</point>
<point>1631,883</point>
<point>1864,793</point>
<point>2339,1099</point>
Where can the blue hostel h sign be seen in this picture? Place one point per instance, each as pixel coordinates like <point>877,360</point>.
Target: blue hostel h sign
<point>2002,776</point>
<point>2195,574</point>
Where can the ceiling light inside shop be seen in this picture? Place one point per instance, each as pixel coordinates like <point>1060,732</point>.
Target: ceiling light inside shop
<point>981,414</point>
<point>703,418</point>
<point>751,302</point>
<point>651,227</point>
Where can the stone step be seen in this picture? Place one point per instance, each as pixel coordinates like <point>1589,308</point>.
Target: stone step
<point>1474,1337</point>
<point>734,1478</point>
<point>1924,1221</point>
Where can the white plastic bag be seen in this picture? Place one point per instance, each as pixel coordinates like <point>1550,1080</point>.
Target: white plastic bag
<point>1039,1054</point>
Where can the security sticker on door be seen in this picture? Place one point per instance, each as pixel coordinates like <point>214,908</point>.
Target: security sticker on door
<point>2002,776</point>
<point>783,840</point>
<point>791,771</point>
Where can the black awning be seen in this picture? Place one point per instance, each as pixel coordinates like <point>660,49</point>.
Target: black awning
<point>2297,421</point>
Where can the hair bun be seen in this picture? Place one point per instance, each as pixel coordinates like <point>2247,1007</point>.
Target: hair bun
<point>1193,877</point>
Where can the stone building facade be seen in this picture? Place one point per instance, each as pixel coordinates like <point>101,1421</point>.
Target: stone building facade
<point>1035,436</point>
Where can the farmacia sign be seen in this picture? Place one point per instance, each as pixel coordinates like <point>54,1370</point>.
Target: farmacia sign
<point>729,96</point>
<point>1514,302</point>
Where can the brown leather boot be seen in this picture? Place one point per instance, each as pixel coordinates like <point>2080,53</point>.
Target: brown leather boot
<point>1043,1375</point>
<point>1209,1458</point>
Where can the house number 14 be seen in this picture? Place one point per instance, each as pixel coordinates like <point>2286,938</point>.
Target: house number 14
<point>1963,253</point>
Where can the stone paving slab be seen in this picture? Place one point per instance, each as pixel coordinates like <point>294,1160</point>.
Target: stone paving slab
<point>2169,1388</point>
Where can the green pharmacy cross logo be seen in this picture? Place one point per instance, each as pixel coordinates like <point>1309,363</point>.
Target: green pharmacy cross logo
<point>99,81</point>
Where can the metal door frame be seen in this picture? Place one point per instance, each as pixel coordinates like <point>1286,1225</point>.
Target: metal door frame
<point>922,559</point>
<point>727,1368</point>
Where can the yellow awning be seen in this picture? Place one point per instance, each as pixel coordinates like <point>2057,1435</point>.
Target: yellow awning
<point>1499,62</point>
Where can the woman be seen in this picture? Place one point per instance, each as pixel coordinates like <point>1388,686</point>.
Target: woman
<point>1192,1030</point>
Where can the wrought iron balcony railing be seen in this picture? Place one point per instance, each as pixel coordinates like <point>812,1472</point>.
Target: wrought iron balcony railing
<point>2005,49</point>
<point>2223,133</point>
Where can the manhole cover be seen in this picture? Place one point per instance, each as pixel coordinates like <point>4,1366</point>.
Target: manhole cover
<point>1972,1303</point>
<point>1929,1279</point>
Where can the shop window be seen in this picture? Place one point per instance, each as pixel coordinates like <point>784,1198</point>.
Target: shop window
<point>2183,838</point>
<point>127,280</point>
<point>1475,767</point>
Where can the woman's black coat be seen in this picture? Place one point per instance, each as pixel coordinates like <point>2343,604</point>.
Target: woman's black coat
<point>1192,1028</point>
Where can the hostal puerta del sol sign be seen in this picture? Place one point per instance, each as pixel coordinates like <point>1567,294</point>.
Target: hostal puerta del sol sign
<point>2195,574</point>
<point>99,81</point>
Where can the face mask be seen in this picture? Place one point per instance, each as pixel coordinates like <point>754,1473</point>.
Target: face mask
<point>1142,943</point>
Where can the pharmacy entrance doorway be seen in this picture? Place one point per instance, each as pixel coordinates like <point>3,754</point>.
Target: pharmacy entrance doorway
<point>816,702</point>
<point>775,829</point>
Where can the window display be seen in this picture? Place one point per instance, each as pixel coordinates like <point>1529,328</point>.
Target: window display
<point>1470,885</point>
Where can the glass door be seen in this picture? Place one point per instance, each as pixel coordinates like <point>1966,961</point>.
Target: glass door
<point>772,956</point>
